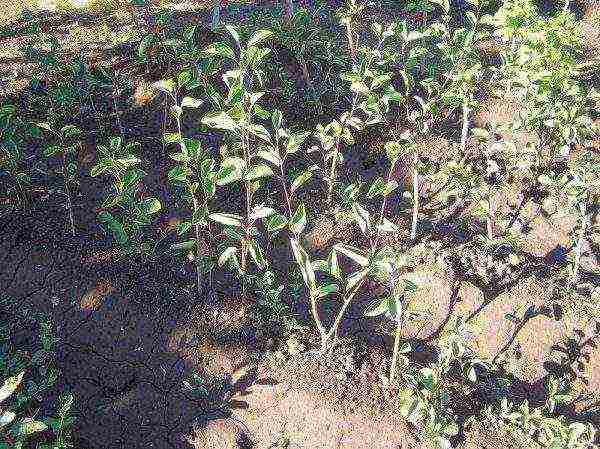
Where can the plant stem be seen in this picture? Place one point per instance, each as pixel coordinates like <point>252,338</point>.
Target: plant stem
<point>465,127</point>
<point>383,204</point>
<point>579,248</point>
<point>197,231</point>
<point>315,312</point>
<point>350,41</point>
<point>70,206</point>
<point>399,319</point>
<point>490,216</point>
<point>415,216</point>
<point>246,147</point>
<point>338,144</point>
<point>336,324</point>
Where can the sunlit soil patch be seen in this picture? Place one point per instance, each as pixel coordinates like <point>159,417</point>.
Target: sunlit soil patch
<point>95,297</point>
<point>209,340</point>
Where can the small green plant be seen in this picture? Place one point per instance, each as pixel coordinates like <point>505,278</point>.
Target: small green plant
<point>65,148</point>
<point>13,162</point>
<point>29,378</point>
<point>425,399</point>
<point>543,426</point>
<point>126,210</point>
<point>243,162</point>
<point>396,305</point>
<point>195,174</point>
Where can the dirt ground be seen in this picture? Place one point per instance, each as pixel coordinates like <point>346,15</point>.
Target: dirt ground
<point>132,337</point>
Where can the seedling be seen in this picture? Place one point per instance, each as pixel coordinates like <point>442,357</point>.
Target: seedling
<point>195,173</point>
<point>126,212</point>
<point>65,149</point>
<point>237,118</point>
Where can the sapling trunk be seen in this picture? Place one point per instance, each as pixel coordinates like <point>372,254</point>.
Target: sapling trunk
<point>305,72</point>
<point>490,216</point>
<point>195,208</point>
<point>69,201</point>
<point>415,216</point>
<point>332,171</point>
<point>332,333</point>
<point>336,152</point>
<point>579,247</point>
<point>350,38</point>
<point>399,319</point>
<point>465,127</point>
<point>383,204</point>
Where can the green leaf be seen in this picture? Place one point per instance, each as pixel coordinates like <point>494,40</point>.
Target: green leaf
<point>52,150</point>
<point>326,290</point>
<point>362,217</point>
<point>98,169</point>
<point>304,263</point>
<point>114,226</point>
<point>260,132</point>
<point>234,33</point>
<point>220,49</point>
<point>7,110</point>
<point>258,171</point>
<point>231,170</point>
<point>179,157</point>
<point>353,253</point>
<point>220,120</point>
<point>410,406</point>
<point>66,402</point>
<point>359,87</point>
<point>150,206</point>
<point>481,133</point>
<point>258,37</point>
<point>178,174</point>
<point>380,80</point>
<point>70,131</point>
<point>189,32</point>
<point>277,119</point>
<point>444,4</point>
<point>183,78</point>
<point>354,279</point>
<point>377,188</point>
<point>189,102</point>
<point>300,180</point>
<point>295,142</point>
<point>261,212</point>
<point>44,125</point>
<point>257,255</point>
<point>10,385</point>
<point>27,427</point>
<point>270,156</point>
<point>183,246</point>
<point>380,307</point>
<point>275,222</point>
<point>226,255</point>
<point>227,219</point>
<point>334,267</point>
<point>145,44</point>
<point>6,418</point>
<point>166,86</point>
<point>298,220</point>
